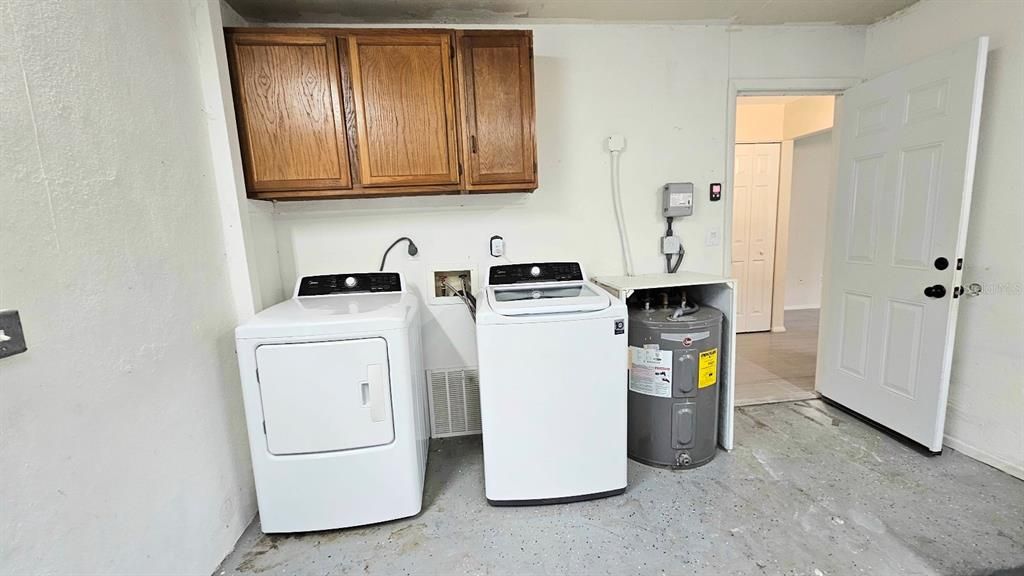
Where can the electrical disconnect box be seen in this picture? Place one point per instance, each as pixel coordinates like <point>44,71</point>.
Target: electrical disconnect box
<point>677,199</point>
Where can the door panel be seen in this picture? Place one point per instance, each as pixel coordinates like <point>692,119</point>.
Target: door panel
<point>496,72</point>
<point>902,346</point>
<point>902,200</point>
<point>403,93</point>
<point>325,396</point>
<point>755,212</point>
<point>916,200</point>
<point>854,339</point>
<point>290,113</point>
<point>862,229</point>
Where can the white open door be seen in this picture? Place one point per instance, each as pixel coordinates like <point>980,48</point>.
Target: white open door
<point>755,206</point>
<point>898,230</point>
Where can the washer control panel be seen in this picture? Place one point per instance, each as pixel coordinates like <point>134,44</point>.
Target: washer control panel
<point>535,272</point>
<point>357,283</point>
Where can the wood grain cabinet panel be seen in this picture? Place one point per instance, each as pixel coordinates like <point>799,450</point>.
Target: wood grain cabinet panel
<point>496,84</point>
<point>290,116</point>
<point>404,108</point>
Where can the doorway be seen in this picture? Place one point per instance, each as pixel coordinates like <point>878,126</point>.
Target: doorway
<point>899,202</point>
<point>781,178</point>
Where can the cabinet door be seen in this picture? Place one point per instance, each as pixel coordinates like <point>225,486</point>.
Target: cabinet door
<point>496,80</point>
<point>405,108</point>
<point>289,110</point>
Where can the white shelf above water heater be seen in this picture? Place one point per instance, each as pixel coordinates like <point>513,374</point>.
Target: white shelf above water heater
<point>706,289</point>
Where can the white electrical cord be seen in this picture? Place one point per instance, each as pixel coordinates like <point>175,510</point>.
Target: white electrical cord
<point>619,215</point>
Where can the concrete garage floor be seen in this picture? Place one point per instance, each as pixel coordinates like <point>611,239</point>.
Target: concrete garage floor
<point>808,490</point>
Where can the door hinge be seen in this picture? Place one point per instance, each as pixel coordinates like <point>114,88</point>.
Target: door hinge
<point>534,166</point>
<point>460,168</point>
<point>959,263</point>
<point>531,52</point>
<point>957,291</point>
<point>451,51</point>
<point>264,427</point>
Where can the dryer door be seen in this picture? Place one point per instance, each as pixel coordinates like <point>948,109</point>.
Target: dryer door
<point>325,396</point>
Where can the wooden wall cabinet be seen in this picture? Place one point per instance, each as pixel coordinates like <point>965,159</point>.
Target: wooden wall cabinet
<point>290,121</point>
<point>404,109</point>
<point>328,113</point>
<point>496,89</point>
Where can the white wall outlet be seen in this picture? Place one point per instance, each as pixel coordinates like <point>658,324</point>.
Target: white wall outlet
<point>714,237</point>
<point>616,142</point>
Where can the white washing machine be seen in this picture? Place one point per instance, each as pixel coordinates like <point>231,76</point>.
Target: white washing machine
<point>553,385</point>
<point>335,403</point>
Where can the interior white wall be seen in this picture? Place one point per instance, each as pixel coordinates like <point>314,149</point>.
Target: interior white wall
<point>124,447</point>
<point>808,214</point>
<point>766,119</point>
<point>986,404</point>
<point>663,87</point>
<point>782,237</point>
<point>759,123</point>
<point>808,115</point>
<point>266,258</point>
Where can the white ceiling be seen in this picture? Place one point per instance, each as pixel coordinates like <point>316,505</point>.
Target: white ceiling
<point>752,12</point>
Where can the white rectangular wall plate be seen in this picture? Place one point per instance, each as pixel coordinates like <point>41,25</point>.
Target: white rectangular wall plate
<point>713,237</point>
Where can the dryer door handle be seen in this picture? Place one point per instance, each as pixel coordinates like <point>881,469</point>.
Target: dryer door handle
<point>374,393</point>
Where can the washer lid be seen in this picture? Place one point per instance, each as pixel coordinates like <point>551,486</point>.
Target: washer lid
<point>546,298</point>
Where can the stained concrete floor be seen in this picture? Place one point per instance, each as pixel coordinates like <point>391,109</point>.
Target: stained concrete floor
<point>808,490</point>
<point>778,366</point>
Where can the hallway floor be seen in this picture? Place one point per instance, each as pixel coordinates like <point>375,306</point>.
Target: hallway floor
<point>808,490</point>
<point>778,366</point>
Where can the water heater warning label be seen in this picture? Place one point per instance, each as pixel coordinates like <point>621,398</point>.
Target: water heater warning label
<point>708,368</point>
<point>650,371</point>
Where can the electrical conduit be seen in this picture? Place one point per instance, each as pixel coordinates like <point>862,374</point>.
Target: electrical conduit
<point>627,259</point>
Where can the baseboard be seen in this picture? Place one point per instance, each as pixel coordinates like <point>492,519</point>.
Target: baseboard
<point>984,457</point>
<point>803,307</point>
<point>778,329</point>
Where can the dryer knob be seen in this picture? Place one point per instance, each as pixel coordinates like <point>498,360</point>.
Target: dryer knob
<point>535,271</point>
<point>350,282</point>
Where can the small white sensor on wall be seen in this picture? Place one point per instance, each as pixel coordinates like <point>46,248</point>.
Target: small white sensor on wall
<point>497,246</point>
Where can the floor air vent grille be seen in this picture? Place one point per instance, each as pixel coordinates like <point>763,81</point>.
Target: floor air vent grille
<point>454,402</point>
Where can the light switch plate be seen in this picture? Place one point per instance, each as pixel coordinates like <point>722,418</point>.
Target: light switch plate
<point>713,238</point>
<point>12,337</point>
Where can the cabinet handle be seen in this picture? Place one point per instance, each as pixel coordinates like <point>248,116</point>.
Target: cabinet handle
<point>472,143</point>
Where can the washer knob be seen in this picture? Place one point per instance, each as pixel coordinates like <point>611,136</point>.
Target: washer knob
<point>350,282</point>
<point>535,271</point>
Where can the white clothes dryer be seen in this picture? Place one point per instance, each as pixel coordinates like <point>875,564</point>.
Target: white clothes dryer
<point>335,403</point>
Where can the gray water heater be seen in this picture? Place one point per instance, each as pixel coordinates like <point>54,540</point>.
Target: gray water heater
<point>674,382</point>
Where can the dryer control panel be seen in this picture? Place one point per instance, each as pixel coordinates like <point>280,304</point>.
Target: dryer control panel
<point>357,283</point>
<point>538,272</point>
